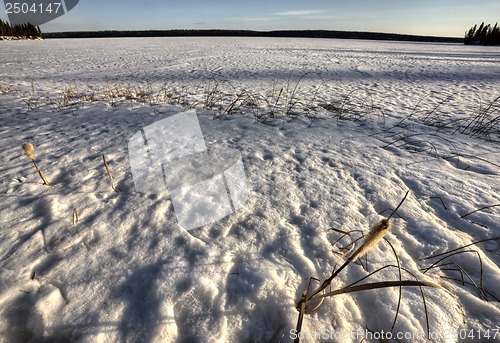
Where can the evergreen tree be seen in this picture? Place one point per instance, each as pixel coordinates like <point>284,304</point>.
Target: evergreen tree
<point>26,30</point>
<point>477,36</point>
<point>469,35</point>
<point>484,35</point>
<point>493,36</point>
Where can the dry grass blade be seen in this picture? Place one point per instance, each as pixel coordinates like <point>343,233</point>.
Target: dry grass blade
<point>384,284</point>
<point>480,287</point>
<point>389,284</point>
<point>400,277</point>
<point>464,282</point>
<point>442,202</point>
<point>463,247</point>
<point>399,268</point>
<point>116,189</point>
<point>75,216</point>
<point>479,209</point>
<point>457,268</point>
<point>452,266</point>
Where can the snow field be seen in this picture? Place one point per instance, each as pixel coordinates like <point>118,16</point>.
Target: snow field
<point>126,272</point>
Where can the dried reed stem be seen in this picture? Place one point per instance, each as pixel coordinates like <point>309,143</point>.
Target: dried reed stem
<point>29,150</point>
<point>116,189</point>
<point>374,236</point>
<point>75,216</point>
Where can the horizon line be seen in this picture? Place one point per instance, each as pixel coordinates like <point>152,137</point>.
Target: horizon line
<point>256,31</point>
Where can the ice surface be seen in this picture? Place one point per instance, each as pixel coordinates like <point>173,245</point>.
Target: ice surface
<point>128,272</point>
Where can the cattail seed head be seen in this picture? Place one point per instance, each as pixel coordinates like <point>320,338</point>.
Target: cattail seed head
<point>377,232</point>
<point>29,150</point>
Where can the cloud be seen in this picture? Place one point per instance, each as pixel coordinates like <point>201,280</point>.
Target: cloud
<point>259,19</point>
<point>303,13</point>
<point>287,15</point>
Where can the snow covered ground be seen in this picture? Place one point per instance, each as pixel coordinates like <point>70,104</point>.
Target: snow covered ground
<point>372,120</point>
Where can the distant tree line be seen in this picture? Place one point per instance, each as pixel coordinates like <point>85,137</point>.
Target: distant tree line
<point>484,35</point>
<point>22,30</point>
<point>248,33</point>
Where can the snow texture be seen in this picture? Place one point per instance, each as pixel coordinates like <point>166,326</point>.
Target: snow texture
<point>126,271</point>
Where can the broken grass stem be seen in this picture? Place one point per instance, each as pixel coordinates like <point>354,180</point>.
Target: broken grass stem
<point>45,181</point>
<point>116,189</point>
<point>302,311</point>
<point>75,216</point>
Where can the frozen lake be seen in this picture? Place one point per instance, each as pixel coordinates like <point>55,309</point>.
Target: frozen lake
<point>248,60</point>
<point>397,74</point>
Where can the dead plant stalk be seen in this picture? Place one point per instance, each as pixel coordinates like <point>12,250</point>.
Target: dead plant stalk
<point>29,150</point>
<point>374,236</point>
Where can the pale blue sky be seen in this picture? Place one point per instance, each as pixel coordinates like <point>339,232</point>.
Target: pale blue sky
<point>423,17</point>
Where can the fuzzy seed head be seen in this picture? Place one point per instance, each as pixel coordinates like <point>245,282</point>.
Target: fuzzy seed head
<point>377,232</point>
<point>29,150</point>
